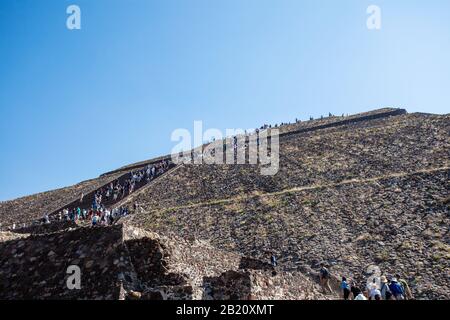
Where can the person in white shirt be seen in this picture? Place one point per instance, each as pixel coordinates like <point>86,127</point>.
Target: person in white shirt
<point>360,296</point>
<point>374,293</point>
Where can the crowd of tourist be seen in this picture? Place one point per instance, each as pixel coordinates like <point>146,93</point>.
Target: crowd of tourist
<point>380,288</point>
<point>385,288</point>
<point>97,212</point>
<point>377,288</point>
<point>97,216</point>
<point>118,190</point>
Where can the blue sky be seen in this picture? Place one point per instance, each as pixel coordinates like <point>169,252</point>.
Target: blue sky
<point>77,103</point>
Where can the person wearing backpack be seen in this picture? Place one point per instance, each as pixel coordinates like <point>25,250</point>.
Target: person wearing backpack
<point>397,289</point>
<point>324,277</point>
<point>406,289</point>
<point>386,293</point>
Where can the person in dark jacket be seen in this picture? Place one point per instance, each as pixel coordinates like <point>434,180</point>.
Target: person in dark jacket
<point>397,289</point>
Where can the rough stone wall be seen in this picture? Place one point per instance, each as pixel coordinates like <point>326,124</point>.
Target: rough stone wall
<point>286,286</point>
<point>118,261</point>
<point>129,263</point>
<point>155,278</point>
<point>169,263</point>
<point>372,192</point>
<point>262,285</point>
<point>35,267</point>
<point>399,223</point>
<point>230,285</point>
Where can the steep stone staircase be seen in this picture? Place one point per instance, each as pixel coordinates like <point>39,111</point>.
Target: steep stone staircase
<point>32,226</point>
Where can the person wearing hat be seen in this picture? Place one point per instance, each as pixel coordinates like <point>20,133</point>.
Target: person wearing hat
<point>397,289</point>
<point>386,293</point>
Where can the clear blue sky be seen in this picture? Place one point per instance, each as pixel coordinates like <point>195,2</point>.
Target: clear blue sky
<point>74,104</point>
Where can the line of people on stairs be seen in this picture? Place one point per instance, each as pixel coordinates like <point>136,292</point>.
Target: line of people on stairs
<point>116,190</point>
<point>98,216</point>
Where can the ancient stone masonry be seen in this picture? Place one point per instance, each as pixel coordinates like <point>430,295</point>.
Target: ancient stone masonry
<point>126,262</point>
<point>352,192</point>
<point>262,285</point>
<point>399,223</point>
<point>406,143</point>
<point>35,267</point>
<point>172,262</point>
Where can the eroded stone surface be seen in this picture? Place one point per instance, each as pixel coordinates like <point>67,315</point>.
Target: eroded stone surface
<point>369,193</point>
